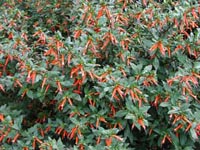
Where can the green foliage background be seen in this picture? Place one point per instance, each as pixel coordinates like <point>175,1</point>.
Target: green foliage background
<point>118,74</point>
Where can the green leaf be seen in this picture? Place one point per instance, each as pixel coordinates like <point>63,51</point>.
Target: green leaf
<point>183,139</point>
<point>106,89</point>
<point>30,94</point>
<point>174,110</point>
<point>129,134</point>
<point>156,63</point>
<point>174,140</point>
<point>75,121</point>
<point>193,134</point>
<point>197,65</point>
<point>17,123</point>
<point>130,116</point>
<point>165,104</point>
<point>121,113</point>
<point>38,78</point>
<point>147,69</point>
<point>75,96</point>
<point>60,144</point>
<point>188,148</point>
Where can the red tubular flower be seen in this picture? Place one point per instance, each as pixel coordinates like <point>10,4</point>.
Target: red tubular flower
<point>108,141</point>
<point>198,129</point>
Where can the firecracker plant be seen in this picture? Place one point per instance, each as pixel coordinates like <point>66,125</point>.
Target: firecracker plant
<point>99,74</point>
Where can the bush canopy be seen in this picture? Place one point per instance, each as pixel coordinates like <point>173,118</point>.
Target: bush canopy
<point>99,74</point>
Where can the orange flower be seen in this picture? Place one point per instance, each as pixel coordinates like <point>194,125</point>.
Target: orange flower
<point>169,51</point>
<point>117,137</point>
<point>51,51</point>
<point>76,69</point>
<point>41,132</point>
<point>108,141</point>
<point>62,60</point>
<point>61,105</point>
<point>59,86</point>
<point>100,12</point>
<point>185,19</point>
<point>1,117</point>
<point>158,45</point>
<point>34,143</point>
<point>8,58</point>
<point>81,147</point>
<point>108,14</point>
<point>138,16</point>
<point>2,88</point>
<point>105,43</point>
<point>59,130</point>
<point>120,18</point>
<point>10,36</point>
<point>24,93</point>
<point>118,89</point>
<point>188,127</point>
<point>69,59</point>
<point>198,129</point>
<point>144,2</point>
<point>47,87</point>
<point>97,123</point>
<point>166,137</point>
<point>77,139</point>
<point>25,148</point>
<point>194,13</point>
<point>98,140</point>
<point>43,82</point>
<point>153,47</point>
<point>178,127</point>
<point>90,45</point>
<point>141,122</point>
<point>102,119</point>
<point>77,33</point>
<point>65,134</point>
<point>70,101</point>
<point>33,76</point>
<point>18,83</point>
<point>47,129</point>
<point>59,44</point>
<point>73,131</point>
<point>16,137</point>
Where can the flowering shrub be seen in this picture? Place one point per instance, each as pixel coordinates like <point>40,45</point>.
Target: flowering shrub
<point>119,74</point>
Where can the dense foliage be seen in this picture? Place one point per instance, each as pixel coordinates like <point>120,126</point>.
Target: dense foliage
<point>115,74</point>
